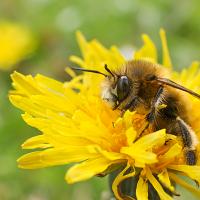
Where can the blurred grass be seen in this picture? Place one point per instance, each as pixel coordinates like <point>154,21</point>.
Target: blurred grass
<point>53,24</point>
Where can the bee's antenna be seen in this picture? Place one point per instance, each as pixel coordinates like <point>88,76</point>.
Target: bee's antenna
<point>108,70</point>
<point>89,70</point>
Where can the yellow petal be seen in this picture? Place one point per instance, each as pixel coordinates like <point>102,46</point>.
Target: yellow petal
<point>147,51</point>
<point>123,175</point>
<point>128,118</point>
<point>82,43</point>
<point>140,157</point>
<point>118,56</point>
<point>191,171</point>
<point>142,189</point>
<point>24,83</point>
<point>87,169</point>
<point>70,72</point>
<point>184,184</point>
<point>163,195</point>
<point>30,161</point>
<point>36,142</point>
<point>164,179</point>
<point>151,140</point>
<point>174,151</point>
<point>49,84</point>
<point>131,135</point>
<point>171,137</point>
<point>59,140</point>
<point>189,77</point>
<point>26,105</point>
<point>99,49</point>
<point>165,51</point>
<point>111,155</point>
<point>77,60</point>
<point>141,150</point>
<point>51,157</point>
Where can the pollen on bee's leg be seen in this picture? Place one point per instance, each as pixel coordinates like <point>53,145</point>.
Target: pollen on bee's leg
<point>191,157</point>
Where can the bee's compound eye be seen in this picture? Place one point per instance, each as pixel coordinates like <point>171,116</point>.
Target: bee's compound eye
<point>123,88</point>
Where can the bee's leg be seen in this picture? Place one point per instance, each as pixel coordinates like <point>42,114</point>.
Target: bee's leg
<point>189,141</point>
<point>150,117</point>
<point>131,105</point>
<point>155,104</point>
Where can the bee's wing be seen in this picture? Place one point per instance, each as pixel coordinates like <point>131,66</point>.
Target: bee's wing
<point>168,82</point>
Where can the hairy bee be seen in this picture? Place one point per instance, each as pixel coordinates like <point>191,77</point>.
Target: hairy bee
<point>140,86</point>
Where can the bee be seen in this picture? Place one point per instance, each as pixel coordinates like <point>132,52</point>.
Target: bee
<point>141,86</point>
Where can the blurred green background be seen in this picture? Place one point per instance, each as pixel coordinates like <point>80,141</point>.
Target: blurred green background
<point>53,24</point>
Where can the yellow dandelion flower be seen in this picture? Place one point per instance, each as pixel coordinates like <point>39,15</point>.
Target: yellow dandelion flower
<point>16,43</point>
<point>77,126</point>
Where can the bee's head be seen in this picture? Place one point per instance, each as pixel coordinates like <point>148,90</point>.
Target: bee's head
<point>115,88</point>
